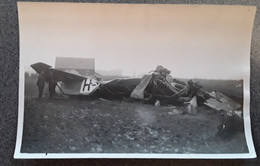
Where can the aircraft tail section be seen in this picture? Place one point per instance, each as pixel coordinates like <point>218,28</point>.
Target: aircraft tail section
<point>38,67</point>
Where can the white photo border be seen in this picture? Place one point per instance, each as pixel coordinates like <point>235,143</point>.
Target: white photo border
<point>246,116</point>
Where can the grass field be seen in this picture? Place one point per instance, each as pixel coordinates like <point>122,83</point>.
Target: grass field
<point>65,125</point>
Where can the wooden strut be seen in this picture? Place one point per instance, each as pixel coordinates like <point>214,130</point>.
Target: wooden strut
<point>60,89</point>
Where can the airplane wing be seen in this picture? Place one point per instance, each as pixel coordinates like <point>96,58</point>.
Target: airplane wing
<point>58,74</point>
<point>64,76</point>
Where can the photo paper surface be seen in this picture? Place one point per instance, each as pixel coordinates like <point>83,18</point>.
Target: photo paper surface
<point>104,80</point>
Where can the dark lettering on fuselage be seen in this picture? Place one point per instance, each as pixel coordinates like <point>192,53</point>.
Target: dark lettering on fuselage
<point>85,84</point>
<point>88,84</point>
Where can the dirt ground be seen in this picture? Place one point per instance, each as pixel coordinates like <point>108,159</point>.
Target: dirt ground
<point>65,125</point>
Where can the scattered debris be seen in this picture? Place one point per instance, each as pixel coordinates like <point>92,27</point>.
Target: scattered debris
<point>175,111</point>
<point>192,105</point>
<point>157,103</point>
<point>102,99</point>
<point>219,101</point>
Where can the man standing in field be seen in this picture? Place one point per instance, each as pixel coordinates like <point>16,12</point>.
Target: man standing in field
<point>52,85</point>
<point>40,83</point>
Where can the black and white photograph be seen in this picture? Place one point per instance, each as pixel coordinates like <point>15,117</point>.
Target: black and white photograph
<point>104,80</point>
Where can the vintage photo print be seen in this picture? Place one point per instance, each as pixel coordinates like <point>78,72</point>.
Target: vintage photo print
<point>134,81</point>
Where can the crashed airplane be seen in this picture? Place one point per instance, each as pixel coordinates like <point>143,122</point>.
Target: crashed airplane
<point>157,87</point>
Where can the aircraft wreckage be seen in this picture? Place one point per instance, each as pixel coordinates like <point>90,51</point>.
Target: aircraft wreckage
<point>157,87</point>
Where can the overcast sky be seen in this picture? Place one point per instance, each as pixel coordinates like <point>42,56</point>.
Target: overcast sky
<point>192,41</point>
